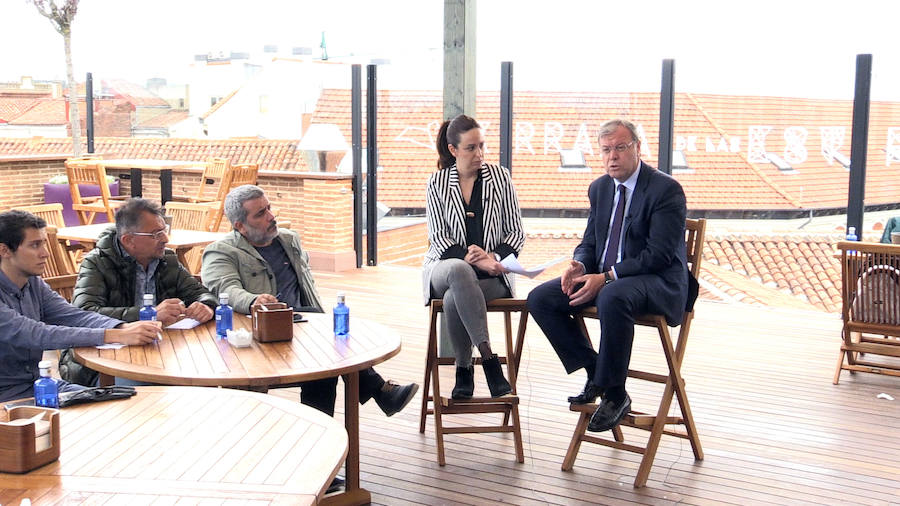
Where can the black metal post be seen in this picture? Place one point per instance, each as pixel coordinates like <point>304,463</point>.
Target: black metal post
<point>89,105</point>
<point>372,166</point>
<point>356,153</point>
<point>859,143</point>
<point>666,116</point>
<point>506,112</point>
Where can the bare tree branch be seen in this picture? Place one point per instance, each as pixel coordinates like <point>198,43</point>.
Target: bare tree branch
<point>61,13</point>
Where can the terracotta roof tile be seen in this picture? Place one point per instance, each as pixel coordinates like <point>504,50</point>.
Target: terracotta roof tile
<point>166,119</point>
<point>134,94</point>
<point>269,154</point>
<point>13,107</point>
<point>722,178</point>
<point>802,266</point>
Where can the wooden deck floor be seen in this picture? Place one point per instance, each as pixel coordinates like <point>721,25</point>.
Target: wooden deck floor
<point>773,428</point>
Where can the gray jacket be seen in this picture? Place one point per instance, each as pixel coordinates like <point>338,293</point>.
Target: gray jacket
<point>232,265</point>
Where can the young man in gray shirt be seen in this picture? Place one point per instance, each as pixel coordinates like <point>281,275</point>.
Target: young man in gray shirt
<point>34,318</point>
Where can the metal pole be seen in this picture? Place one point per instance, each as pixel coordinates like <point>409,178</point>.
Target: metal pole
<point>859,143</point>
<point>666,116</point>
<point>89,105</point>
<point>506,110</point>
<point>372,166</point>
<point>356,153</point>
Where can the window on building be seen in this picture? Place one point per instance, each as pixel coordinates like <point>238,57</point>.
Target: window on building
<point>779,162</point>
<point>679,162</point>
<point>571,159</point>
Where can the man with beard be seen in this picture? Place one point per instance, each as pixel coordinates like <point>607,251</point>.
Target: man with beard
<point>259,264</point>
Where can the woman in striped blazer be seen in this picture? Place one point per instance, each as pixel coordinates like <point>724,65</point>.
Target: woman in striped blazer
<point>473,222</point>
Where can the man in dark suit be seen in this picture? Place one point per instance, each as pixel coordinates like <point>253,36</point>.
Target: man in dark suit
<point>630,262</point>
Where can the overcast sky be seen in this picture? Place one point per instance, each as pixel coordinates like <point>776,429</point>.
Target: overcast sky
<point>784,47</point>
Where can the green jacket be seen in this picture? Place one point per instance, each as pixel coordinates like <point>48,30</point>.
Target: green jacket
<point>232,265</point>
<point>106,281</point>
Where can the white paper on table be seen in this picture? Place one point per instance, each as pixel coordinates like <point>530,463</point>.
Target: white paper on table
<point>184,324</point>
<point>512,264</point>
<point>111,346</point>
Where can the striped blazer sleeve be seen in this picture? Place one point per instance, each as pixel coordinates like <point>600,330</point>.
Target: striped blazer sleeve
<point>442,225</point>
<point>510,215</point>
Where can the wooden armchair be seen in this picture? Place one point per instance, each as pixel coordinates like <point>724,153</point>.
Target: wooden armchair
<point>870,288</point>
<point>53,215</point>
<point>92,172</point>
<point>674,383</point>
<point>59,271</point>
<point>236,175</point>
<point>191,216</point>
<point>214,170</point>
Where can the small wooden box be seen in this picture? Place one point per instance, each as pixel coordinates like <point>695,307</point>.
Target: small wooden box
<point>272,322</point>
<point>21,449</point>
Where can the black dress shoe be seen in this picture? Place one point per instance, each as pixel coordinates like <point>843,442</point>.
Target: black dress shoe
<point>336,485</point>
<point>609,414</point>
<point>393,397</point>
<point>588,395</point>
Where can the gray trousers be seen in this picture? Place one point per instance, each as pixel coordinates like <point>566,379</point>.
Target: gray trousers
<point>465,311</point>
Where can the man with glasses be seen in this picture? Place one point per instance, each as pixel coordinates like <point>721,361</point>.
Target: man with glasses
<point>129,261</point>
<point>631,261</point>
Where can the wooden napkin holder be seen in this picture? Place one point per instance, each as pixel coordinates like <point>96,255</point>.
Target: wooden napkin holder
<point>27,446</point>
<point>272,322</point>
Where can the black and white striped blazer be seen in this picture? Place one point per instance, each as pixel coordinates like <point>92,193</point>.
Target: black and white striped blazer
<point>447,218</point>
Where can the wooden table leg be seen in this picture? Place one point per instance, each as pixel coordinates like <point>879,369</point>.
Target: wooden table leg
<point>106,380</point>
<point>352,494</point>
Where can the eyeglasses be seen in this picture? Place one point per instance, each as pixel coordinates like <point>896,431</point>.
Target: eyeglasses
<point>620,148</point>
<point>158,235</point>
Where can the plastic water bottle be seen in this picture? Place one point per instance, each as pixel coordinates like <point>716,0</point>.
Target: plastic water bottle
<point>851,236</point>
<point>224,315</point>
<point>46,389</point>
<point>148,312</point>
<point>341,318</point>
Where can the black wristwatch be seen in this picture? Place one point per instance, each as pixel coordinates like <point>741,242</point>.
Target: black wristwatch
<point>607,279</point>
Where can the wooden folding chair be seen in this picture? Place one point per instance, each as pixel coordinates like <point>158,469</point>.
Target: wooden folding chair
<point>507,405</point>
<point>236,175</point>
<point>870,288</point>
<point>674,384</point>
<point>90,171</point>
<point>59,271</point>
<point>191,216</point>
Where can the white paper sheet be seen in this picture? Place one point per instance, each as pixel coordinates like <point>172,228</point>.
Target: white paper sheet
<point>513,265</point>
<point>110,346</point>
<point>183,324</point>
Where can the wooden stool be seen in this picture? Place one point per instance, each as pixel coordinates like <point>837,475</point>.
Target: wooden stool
<point>507,405</point>
<point>674,384</point>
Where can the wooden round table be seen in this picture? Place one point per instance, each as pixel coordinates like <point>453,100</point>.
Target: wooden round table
<point>195,357</point>
<point>171,443</point>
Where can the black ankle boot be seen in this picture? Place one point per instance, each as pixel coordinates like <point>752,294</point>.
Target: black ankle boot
<point>497,384</point>
<point>465,382</point>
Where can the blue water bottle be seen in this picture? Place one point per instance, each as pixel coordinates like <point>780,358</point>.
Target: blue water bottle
<point>46,389</point>
<point>851,236</point>
<point>148,312</point>
<point>341,318</point>
<point>223,317</point>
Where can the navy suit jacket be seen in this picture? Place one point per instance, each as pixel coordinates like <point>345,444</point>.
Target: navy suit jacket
<point>653,237</point>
